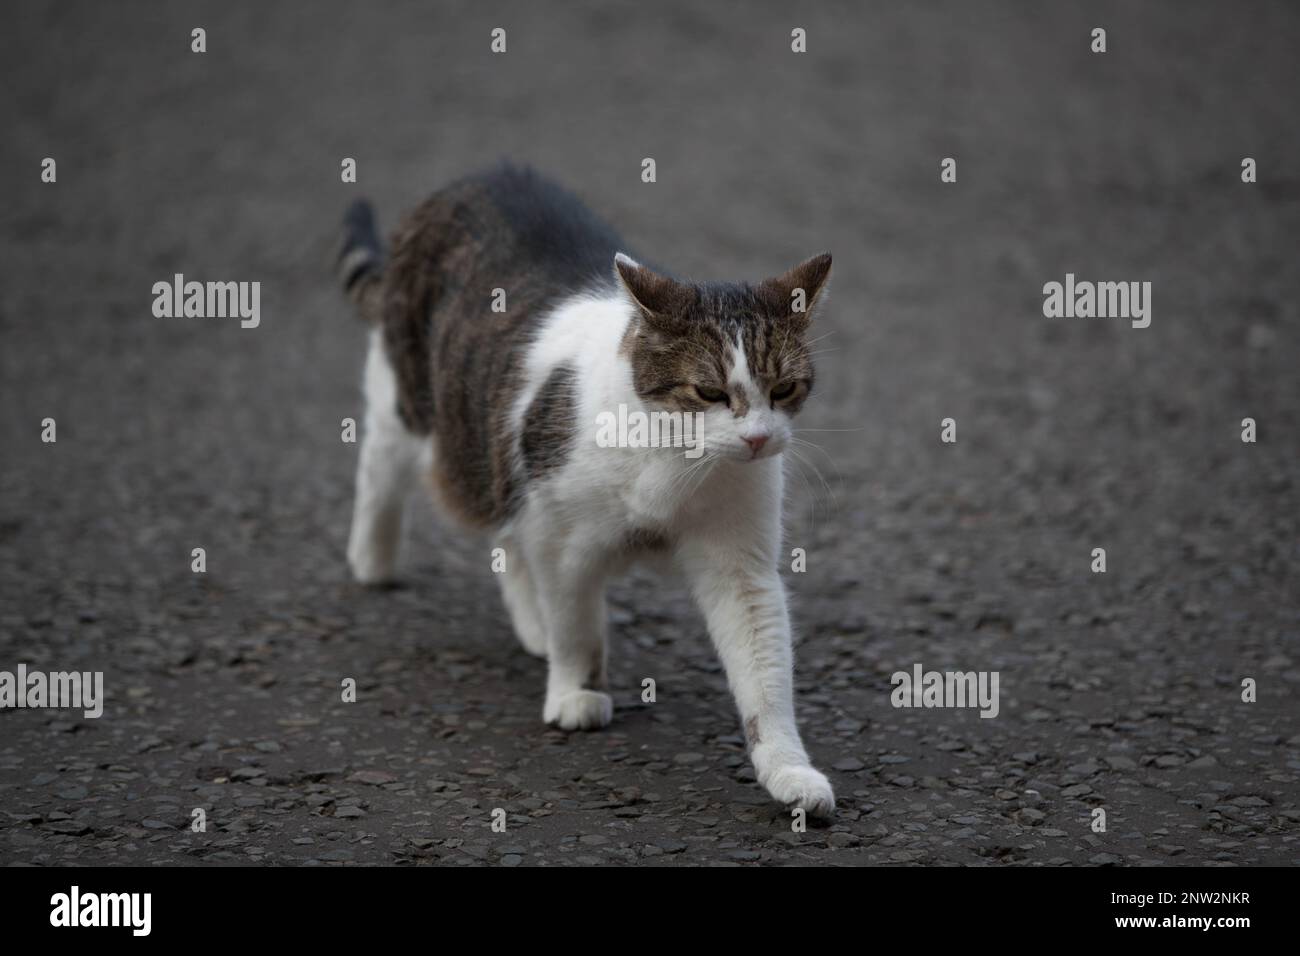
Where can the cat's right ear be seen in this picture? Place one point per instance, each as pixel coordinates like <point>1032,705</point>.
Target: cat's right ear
<point>662,300</point>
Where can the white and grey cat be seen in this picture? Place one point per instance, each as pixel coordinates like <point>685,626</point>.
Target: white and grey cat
<point>499,410</point>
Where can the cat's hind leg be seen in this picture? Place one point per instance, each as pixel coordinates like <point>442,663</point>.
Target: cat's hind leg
<point>569,584</point>
<point>387,470</point>
<point>520,596</point>
<point>576,640</point>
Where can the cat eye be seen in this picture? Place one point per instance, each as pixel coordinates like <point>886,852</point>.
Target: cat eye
<point>784,391</point>
<point>710,394</point>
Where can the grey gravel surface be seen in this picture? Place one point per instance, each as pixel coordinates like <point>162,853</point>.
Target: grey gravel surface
<point>1119,690</point>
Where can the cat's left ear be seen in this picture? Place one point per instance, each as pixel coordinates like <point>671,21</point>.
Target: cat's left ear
<point>796,292</point>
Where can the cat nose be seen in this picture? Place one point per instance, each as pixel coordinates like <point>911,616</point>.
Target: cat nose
<point>756,443</point>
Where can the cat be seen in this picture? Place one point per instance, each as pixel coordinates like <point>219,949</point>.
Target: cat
<point>498,407</point>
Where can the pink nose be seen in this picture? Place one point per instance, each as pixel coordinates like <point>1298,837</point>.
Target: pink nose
<point>756,444</point>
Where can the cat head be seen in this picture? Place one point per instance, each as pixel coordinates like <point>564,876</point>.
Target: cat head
<point>736,353</point>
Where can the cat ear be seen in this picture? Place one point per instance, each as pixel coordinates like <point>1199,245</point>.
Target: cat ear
<point>808,277</point>
<point>659,297</point>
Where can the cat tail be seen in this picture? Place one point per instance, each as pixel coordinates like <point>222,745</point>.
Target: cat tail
<point>360,263</point>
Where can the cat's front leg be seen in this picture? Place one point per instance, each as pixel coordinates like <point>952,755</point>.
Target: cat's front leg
<point>570,587</point>
<point>743,600</point>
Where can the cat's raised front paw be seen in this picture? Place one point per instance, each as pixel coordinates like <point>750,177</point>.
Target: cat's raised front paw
<point>802,786</point>
<point>579,710</point>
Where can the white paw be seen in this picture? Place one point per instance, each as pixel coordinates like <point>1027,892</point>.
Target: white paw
<point>579,710</point>
<point>533,640</point>
<point>802,786</point>
<point>530,635</point>
<point>522,606</point>
<point>370,567</point>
